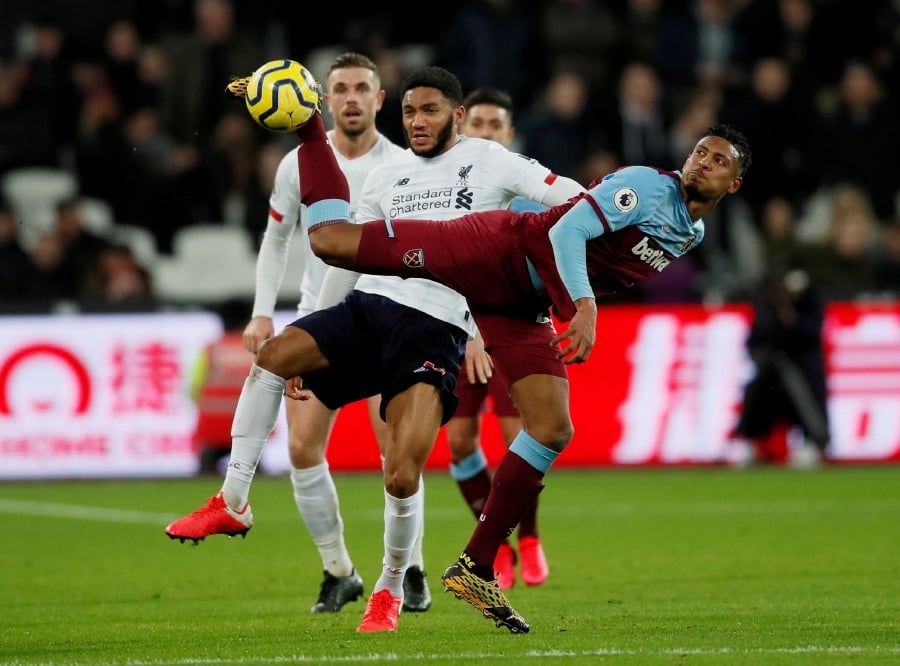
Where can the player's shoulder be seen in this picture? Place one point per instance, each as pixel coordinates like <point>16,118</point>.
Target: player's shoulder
<point>640,176</point>
<point>390,148</point>
<point>635,188</point>
<point>498,159</point>
<point>397,159</point>
<point>393,164</point>
<point>473,145</point>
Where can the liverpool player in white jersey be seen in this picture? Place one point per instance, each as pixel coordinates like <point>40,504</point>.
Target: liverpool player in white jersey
<point>403,339</point>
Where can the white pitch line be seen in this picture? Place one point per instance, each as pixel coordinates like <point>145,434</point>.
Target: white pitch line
<point>475,656</point>
<point>54,510</point>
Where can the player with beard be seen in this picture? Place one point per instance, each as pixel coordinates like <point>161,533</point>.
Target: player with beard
<point>513,268</point>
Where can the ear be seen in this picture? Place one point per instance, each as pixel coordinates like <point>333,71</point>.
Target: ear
<point>736,185</point>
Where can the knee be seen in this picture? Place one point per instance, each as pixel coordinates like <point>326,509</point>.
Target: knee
<point>461,444</point>
<point>563,435</point>
<point>305,450</point>
<point>555,434</point>
<point>269,354</point>
<point>402,482</point>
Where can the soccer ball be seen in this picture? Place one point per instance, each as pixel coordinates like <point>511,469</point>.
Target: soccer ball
<point>282,95</point>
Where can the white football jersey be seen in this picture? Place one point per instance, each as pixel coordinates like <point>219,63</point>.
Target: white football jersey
<point>286,211</point>
<point>474,175</point>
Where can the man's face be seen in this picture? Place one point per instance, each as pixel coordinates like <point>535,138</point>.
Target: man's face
<point>430,121</point>
<point>711,170</point>
<point>488,121</point>
<point>354,97</point>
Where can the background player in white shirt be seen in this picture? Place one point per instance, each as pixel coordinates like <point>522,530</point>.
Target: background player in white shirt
<point>353,96</point>
<point>401,338</point>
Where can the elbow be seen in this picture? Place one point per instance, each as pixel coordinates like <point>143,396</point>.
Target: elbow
<point>322,244</point>
<point>332,244</point>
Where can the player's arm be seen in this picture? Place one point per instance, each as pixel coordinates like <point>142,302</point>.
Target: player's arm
<point>561,190</point>
<point>520,175</point>
<point>479,366</point>
<point>569,241</point>
<point>336,284</point>
<point>569,237</point>
<point>622,199</point>
<point>271,262</point>
<point>619,200</point>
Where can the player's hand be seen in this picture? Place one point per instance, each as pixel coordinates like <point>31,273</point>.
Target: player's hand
<point>577,340</point>
<point>259,329</point>
<point>293,389</point>
<point>479,365</point>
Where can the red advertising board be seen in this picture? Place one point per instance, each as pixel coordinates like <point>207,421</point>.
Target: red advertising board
<point>663,386</point>
<point>94,396</point>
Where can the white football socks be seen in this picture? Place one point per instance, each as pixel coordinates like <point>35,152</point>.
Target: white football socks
<point>317,501</point>
<point>417,558</point>
<point>401,525</point>
<point>254,419</point>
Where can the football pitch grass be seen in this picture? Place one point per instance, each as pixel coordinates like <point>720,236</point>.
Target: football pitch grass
<point>648,566</point>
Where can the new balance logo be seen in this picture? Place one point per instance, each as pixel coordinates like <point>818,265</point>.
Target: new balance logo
<point>655,258</point>
<point>402,182</point>
<point>428,366</point>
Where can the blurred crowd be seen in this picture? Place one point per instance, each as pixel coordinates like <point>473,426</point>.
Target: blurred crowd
<point>125,97</point>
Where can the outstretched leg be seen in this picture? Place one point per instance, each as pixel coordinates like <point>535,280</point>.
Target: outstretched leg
<point>291,353</point>
<point>324,190</point>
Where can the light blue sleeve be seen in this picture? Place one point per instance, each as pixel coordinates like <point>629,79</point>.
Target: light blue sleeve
<point>569,237</point>
<point>523,205</point>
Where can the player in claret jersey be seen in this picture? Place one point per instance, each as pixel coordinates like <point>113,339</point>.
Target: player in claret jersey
<point>513,267</point>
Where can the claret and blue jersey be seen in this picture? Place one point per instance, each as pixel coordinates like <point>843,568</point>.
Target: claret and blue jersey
<point>630,224</point>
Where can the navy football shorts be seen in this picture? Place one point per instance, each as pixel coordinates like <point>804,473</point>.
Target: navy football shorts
<point>376,345</point>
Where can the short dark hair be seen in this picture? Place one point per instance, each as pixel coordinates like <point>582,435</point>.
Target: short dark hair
<point>736,139</point>
<point>488,95</point>
<point>353,59</point>
<point>435,77</point>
